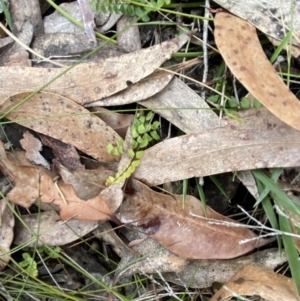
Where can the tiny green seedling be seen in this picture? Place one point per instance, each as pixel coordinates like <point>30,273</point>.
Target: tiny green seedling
<point>143,132</point>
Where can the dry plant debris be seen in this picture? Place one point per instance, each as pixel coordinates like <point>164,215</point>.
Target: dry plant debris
<point>260,140</point>
<point>246,59</point>
<point>188,235</point>
<point>274,18</point>
<point>208,235</point>
<point>252,280</point>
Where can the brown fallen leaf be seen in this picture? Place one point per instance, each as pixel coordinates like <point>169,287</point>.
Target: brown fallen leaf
<point>196,273</point>
<point>252,281</point>
<point>244,56</point>
<point>33,146</point>
<point>50,230</point>
<point>89,82</point>
<point>31,183</point>
<point>184,229</point>
<point>259,140</point>
<point>65,120</point>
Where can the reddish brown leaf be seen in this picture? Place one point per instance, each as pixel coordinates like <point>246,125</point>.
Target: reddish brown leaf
<point>246,59</point>
<point>31,183</point>
<point>184,229</point>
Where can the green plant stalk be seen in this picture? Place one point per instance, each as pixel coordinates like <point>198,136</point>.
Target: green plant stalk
<point>151,8</point>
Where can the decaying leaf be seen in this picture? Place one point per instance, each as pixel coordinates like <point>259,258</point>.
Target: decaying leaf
<point>252,281</point>
<point>65,120</point>
<point>86,183</point>
<point>274,18</point>
<point>47,228</point>
<point>63,153</point>
<point>258,140</point>
<point>184,229</point>
<point>33,146</point>
<point>191,115</point>
<point>6,232</point>
<point>246,59</point>
<point>196,273</point>
<point>32,183</point>
<point>145,88</point>
<point>89,82</point>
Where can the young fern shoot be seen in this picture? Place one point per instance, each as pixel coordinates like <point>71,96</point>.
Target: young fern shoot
<point>143,132</point>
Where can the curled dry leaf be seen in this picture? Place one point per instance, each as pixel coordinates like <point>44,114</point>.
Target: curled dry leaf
<point>244,56</point>
<point>185,230</point>
<point>252,281</point>
<point>31,183</point>
<point>65,120</point>
<point>6,232</point>
<point>145,88</point>
<point>89,82</point>
<point>50,230</point>
<point>257,140</point>
<point>33,146</point>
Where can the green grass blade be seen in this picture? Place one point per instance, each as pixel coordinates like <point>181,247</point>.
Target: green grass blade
<point>291,251</point>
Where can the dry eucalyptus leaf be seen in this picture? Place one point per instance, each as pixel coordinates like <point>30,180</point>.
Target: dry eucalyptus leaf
<point>185,230</point>
<point>33,146</point>
<point>196,273</point>
<point>246,59</point>
<point>89,82</point>
<point>257,140</point>
<point>65,120</point>
<point>31,183</point>
<point>183,107</point>
<point>6,232</point>
<point>145,88</point>
<point>252,281</point>
<point>274,18</point>
<point>50,230</point>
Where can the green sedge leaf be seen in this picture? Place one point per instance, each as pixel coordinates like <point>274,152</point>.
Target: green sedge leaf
<point>154,135</point>
<point>139,154</point>
<point>131,153</point>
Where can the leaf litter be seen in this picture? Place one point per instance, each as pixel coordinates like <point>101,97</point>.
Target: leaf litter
<point>63,192</point>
